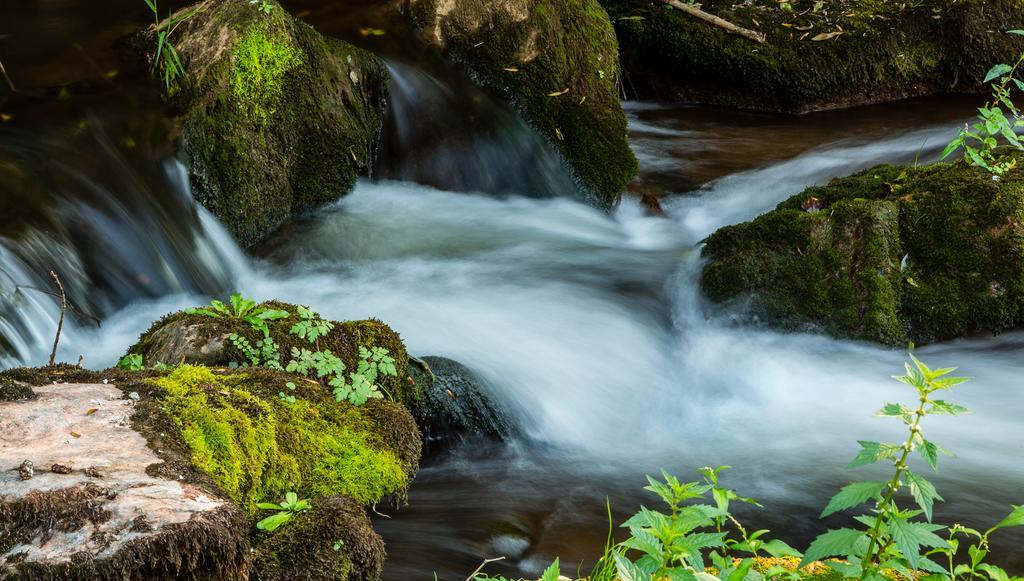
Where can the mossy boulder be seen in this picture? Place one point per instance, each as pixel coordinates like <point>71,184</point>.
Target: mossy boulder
<point>276,119</point>
<point>557,61</point>
<point>333,540</point>
<point>865,52</point>
<point>889,255</point>
<point>451,404</point>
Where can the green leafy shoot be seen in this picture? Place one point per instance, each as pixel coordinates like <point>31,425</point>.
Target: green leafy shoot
<point>998,121</point>
<point>310,326</point>
<point>286,509</point>
<point>130,362</point>
<point>243,308</point>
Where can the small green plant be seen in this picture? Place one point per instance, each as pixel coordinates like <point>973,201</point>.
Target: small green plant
<point>691,536</point>
<point>310,326</point>
<point>166,58</point>
<point>287,397</point>
<point>328,368</point>
<point>552,573</point>
<point>286,509</point>
<point>242,308</point>
<point>130,362</point>
<point>263,352</point>
<point>263,6</point>
<point>979,141</point>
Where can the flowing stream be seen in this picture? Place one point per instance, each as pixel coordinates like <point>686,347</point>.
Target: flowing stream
<point>588,325</point>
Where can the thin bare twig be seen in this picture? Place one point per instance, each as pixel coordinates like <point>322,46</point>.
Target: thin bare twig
<point>482,565</point>
<point>720,22</point>
<point>60,322</point>
<point>71,306</point>
<point>10,83</point>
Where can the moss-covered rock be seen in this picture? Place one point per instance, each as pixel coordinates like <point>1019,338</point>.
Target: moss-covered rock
<point>257,446</point>
<point>333,540</point>
<point>889,254</point>
<point>199,339</point>
<point>887,50</point>
<point>557,60</point>
<point>277,119</point>
<point>225,434</point>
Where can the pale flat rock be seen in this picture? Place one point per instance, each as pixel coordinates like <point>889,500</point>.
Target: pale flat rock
<point>93,513</point>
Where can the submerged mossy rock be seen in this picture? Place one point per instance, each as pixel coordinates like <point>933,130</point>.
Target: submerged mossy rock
<point>333,540</point>
<point>557,61</point>
<point>865,53</point>
<point>277,119</point>
<point>889,255</point>
<point>451,404</point>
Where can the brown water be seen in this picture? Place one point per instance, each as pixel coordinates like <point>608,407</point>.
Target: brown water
<point>588,326</point>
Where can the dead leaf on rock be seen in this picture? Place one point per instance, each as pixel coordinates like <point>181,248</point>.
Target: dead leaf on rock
<point>826,35</point>
<point>91,411</point>
<point>559,93</point>
<point>76,435</point>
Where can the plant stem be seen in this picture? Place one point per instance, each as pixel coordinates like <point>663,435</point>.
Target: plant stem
<point>60,322</point>
<point>894,484</point>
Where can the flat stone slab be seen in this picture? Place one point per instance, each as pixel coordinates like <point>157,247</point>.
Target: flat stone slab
<point>106,501</point>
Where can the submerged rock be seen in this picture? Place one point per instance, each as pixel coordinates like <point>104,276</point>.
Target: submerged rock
<point>887,51</point>
<point>67,523</point>
<point>557,60</point>
<point>276,119</point>
<point>451,404</point>
<point>894,254</point>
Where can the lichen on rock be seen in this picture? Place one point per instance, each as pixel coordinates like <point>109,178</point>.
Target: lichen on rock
<point>276,119</point>
<point>893,254</point>
<point>558,62</point>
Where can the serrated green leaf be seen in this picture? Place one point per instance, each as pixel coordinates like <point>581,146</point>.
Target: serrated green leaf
<point>627,570</point>
<point>911,536</point>
<point>551,573</point>
<point>945,408</point>
<point>872,452</point>
<point>923,492</point>
<point>997,71</point>
<point>833,543</point>
<point>852,495</point>
<point>930,452</point>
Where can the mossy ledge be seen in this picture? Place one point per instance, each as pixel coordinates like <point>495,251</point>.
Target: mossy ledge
<point>276,119</point>
<point>558,62</point>
<point>888,51</point>
<point>893,255</point>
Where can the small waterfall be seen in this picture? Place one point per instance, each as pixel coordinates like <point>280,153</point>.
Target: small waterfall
<point>115,231</point>
<point>445,132</point>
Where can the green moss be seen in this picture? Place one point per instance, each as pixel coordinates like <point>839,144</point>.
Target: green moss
<point>888,50</point>
<point>923,253</point>
<point>257,447</point>
<point>261,60</point>
<point>305,549</point>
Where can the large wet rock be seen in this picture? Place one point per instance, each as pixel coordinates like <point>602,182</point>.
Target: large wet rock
<point>91,507</point>
<point>889,255</point>
<point>557,60</point>
<point>276,119</point>
<point>887,51</point>
<point>451,404</point>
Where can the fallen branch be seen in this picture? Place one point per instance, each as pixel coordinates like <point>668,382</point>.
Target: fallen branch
<point>9,82</point>
<point>60,322</point>
<point>720,22</point>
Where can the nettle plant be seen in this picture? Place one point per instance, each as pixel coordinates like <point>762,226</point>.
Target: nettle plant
<point>695,539</point>
<point>979,141</point>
